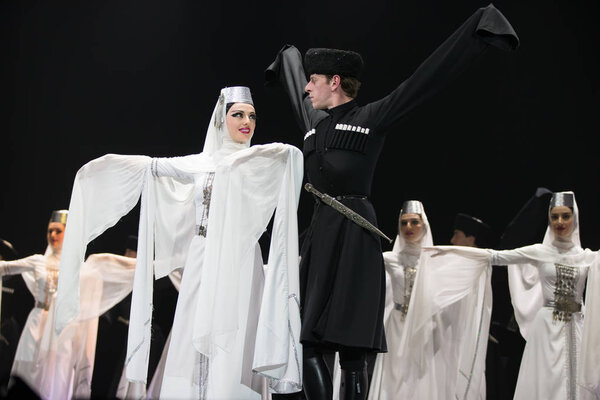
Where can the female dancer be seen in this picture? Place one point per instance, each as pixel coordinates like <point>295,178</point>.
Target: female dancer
<point>451,311</point>
<point>60,366</point>
<point>234,326</point>
<point>401,265</point>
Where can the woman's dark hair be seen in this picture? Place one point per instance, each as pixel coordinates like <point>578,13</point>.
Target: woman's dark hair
<point>228,106</point>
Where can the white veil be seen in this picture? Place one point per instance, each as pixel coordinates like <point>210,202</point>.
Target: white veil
<point>426,239</point>
<point>524,281</point>
<point>401,251</point>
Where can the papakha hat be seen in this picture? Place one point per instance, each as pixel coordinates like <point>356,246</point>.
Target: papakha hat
<point>333,62</point>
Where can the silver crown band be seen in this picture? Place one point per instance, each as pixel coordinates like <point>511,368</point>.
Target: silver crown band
<point>412,207</point>
<point>562,199</point>
<point>59,216</point>
<point>237,94</point>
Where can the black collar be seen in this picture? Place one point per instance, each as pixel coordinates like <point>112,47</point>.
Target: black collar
<point>342,108</point>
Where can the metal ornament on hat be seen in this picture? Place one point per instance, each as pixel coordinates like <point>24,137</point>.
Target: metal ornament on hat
<point>237,94</point>
<point>559,199</point>
<point>233,94</point>
<point>59,216</point>
<point>411,207</point>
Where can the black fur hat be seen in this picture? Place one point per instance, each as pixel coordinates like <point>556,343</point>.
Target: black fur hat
<point>333,62</point>
<point>472,226</point>
<point>7,251</point>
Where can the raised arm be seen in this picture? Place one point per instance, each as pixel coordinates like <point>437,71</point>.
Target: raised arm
<point>486,27</point>
<point>515,256</point>
<point>168,167</point>
<point>16,267</point>
<point>287,70</point>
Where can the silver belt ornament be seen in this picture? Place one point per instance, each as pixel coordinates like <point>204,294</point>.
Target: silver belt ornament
<point>345,211</point>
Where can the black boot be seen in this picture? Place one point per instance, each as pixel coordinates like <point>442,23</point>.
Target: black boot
<point>354,385</point>
<point>317,378</point>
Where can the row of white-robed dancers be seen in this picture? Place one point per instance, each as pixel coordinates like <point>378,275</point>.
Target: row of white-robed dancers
<point>237,323</point>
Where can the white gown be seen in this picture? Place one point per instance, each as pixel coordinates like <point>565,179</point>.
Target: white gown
<point>228,330</point>
<point>550,360</point>
<point>401,266</point>
<point>401,270</point>
<point>137,390</point>
<point>444,351</point>
<point>61,366</point>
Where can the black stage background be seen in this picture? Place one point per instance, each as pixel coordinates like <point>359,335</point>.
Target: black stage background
<point>81,79</point>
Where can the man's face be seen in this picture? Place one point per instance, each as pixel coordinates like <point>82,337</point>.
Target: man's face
<point>319,91</point>
<point>460,239</point>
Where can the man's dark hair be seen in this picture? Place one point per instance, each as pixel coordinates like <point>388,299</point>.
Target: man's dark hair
<point>350,86</point>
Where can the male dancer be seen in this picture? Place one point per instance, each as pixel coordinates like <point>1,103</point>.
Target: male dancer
<point>342,276</point>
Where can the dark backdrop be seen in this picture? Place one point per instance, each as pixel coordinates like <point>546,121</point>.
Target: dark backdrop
<point>81,79</point>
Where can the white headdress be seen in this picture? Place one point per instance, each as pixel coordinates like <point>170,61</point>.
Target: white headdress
<point>413,207</point>
<point>217,129</point>
<point>59,216</point>
<point>566,199</point>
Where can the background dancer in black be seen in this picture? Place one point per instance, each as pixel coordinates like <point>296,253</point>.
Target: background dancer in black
<point>341,274</point>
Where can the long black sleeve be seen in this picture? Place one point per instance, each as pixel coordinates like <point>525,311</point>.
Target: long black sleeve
<point>486,27</point>
<point>288,71</point>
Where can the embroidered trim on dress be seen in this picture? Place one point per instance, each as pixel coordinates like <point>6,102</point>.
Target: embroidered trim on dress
<point>207,192</point>
<point>409,281</point>
<point>203,365</point>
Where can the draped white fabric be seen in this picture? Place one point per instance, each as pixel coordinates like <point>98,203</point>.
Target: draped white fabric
<point>60,365</point>
<point>104,182</point>
<point>524,279</point>
<point>386,380</point>
<point>589,364</point>
<point>560,359</point>
<point>448,327</point>
<point>249,186</point>
<point>550,367</point>
<point>443,350</point>
<point>137,390</point>
<point>222,273</point>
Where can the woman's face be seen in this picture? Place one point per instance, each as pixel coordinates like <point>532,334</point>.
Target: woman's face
<point>411,226</point>
<point>241,122</point>
<point>55,235</point>
<point>561,221</point>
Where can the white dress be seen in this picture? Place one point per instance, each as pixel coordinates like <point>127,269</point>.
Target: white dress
<point>551,357</point>
<point>401,266</point>
<point>61,366</point>
<point>233,324</point>
<point>137,390</point>
<point>444,348</point>
<point>401,269</point>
